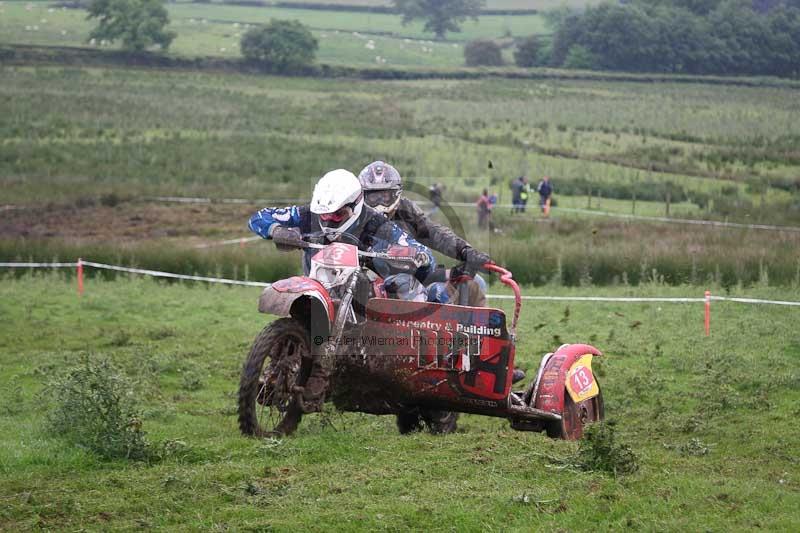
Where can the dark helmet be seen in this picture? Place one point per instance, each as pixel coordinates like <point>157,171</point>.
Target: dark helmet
<point>382,186</point>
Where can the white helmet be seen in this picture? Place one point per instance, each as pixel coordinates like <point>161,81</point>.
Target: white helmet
<point>338,201</point>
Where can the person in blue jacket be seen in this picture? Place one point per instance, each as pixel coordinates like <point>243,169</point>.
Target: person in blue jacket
<point>337,207</point>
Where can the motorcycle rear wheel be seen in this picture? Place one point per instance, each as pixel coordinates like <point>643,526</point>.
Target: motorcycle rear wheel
<point>279,360</point>
<point>576,416</point>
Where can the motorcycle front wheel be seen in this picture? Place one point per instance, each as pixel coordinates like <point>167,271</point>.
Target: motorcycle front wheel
<point>279,360</point>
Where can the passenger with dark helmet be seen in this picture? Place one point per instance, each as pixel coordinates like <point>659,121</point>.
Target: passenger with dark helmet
<point>383,191</point>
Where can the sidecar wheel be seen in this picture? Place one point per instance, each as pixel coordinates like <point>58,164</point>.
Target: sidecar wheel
<point>408,422</point>
<point>279,359</point>
<point>576,416</point>
<point>440,422</point>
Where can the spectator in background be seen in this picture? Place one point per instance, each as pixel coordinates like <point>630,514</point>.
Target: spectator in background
<point>545,190</point>
<point>493,199</point>
<point>435,194</point>
<point>516,192</point>
<point>524,194</point>
<point>485,211</point>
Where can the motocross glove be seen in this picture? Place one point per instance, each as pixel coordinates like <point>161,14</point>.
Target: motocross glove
<point>462,272</point>
<point>286,238</point>
<point>475,258</point>
<point>421,259</point>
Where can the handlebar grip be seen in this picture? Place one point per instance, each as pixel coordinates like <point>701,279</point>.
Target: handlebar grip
<point>506,279</point>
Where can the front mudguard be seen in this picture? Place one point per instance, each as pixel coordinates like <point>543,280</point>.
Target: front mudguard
<point>301,298</point>
<point>550,389</point>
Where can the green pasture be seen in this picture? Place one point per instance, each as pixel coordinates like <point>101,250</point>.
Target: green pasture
<point>347,38</point>
<point>74,137</point>
<point>150,131</point>
<point>540,5</point>
<point>708,418</point>
<point>485,27</point>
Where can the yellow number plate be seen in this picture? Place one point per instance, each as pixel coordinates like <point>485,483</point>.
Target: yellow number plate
<point>580,380</point>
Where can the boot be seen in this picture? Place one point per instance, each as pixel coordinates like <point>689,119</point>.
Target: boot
<point>289,422</point>
<point>314,390</point>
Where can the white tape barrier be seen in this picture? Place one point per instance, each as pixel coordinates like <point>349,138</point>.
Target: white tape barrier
<point>245,201</point>
<point>690,221</point>
<point>155,273</point>
<point>38,265</point>
<point>158,273</point>
<point>596,298</point>
<point>239,241</point>
<point>753,301</point>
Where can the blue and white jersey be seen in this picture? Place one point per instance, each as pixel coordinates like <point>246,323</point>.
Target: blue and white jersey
<point>373,231</point>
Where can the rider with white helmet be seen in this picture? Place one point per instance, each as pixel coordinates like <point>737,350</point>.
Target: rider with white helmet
<point>337,210</point>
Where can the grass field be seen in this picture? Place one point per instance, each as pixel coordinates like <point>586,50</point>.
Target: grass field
<point>77,138</point>
<point>487,26</point>
<point>345,38</point>
<point>541,5</point>
<point>65,124</point>
<point>709,420</point>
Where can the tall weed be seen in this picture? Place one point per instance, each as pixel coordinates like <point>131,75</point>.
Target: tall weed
<point>94,408</point>
<point>600,451</point>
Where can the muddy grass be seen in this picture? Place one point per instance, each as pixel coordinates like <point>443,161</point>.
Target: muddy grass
<point>709,419</point>
<point>127,222</point>
<point>568,250</point>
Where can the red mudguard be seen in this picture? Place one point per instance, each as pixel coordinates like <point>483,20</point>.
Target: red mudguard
<point>552,387</point>
<point>277,299</point>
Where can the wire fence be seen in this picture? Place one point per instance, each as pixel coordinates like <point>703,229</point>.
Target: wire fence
<point>555,209</point>
<point>79,264</point>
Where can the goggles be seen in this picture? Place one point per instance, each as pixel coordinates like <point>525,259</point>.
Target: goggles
<point>384,197</point>
<point>338,216</point>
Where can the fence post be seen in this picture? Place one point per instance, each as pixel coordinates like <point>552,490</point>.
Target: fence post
<point>668,201</point>
<point>80,277</point>
<point>708,313</point>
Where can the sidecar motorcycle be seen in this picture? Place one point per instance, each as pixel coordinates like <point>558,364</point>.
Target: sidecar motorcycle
<point>390,356</point>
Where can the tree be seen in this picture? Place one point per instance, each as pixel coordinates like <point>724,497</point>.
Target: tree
<point>483,53</point>
<point>280,46</point>
<point>139,24</point>
<point>441,16</point>
<point>579,57</point>
<point>527,52</point>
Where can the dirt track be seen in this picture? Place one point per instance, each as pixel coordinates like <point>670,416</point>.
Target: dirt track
<point>127,222</point>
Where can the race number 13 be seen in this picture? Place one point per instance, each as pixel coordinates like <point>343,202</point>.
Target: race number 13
<point>581,384</point>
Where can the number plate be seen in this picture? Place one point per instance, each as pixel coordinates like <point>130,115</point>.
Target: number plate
<point>580,380</point>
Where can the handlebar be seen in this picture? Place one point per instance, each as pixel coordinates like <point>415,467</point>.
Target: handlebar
<point>293,239</point>
<point>506,279</point>
<point>300,241</point>
<point>361,253</point>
